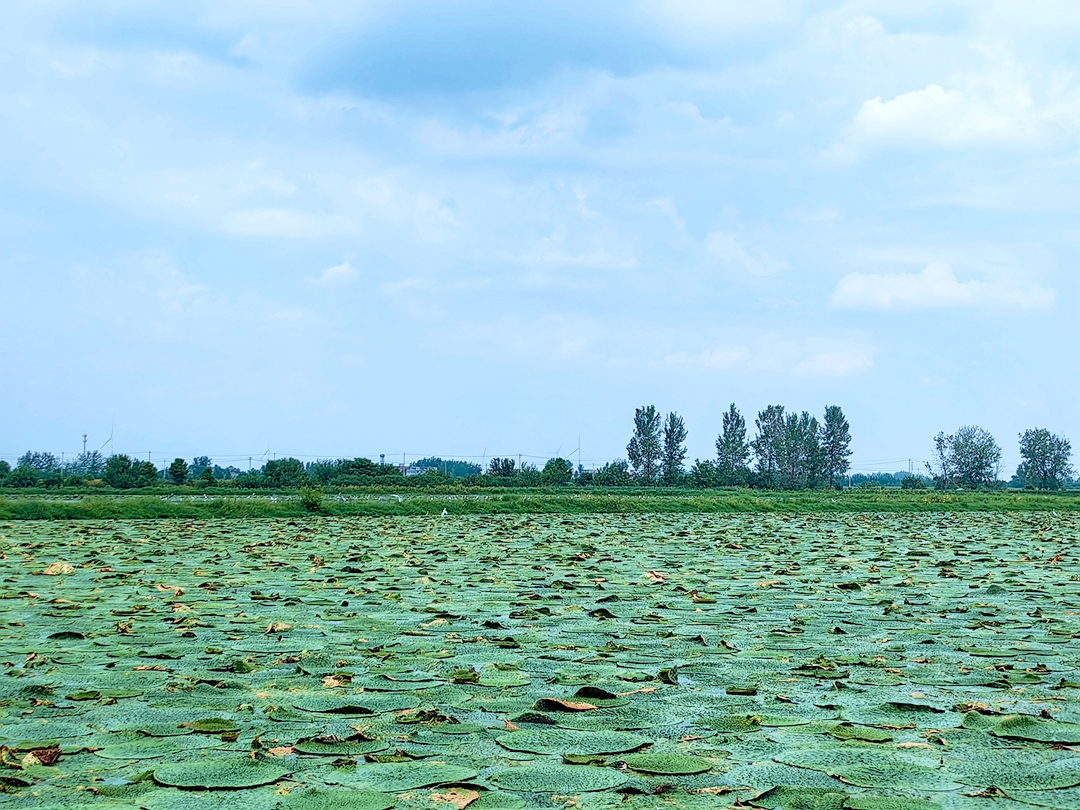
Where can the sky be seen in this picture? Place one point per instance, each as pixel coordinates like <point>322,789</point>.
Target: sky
<point>469,229</point>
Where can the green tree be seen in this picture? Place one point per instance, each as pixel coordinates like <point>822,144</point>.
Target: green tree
<point>732,450</point>
<point>22,477</point>
<point>178,471</point>
<point>502,467</point>
<point>41,463</point>
<point>798,454</point>
<point>968,458</point>
<point>284,473</point>
<point>5,471</point>
<point>1046,459</point>
<point>645,449</point>
<point>674,453</point>
<point>450,467</point>
<point>198,464</point>
<point>766,445</point>
<point>206,477</point>
<point>90,464</point>
<point>704,474</point>
<point>835,441</point>
<point>613,474</point>
<point>122,472</point>
<point>557,472</point>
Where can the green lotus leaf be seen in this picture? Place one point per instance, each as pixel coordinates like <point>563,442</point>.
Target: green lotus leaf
<point>800,798</point>
<point>394,777</point>
<point>154,747</point>
<point>320,799</point>
<point>550,740</point>
<point>220,773</point>
<point>666,764</point>
<point>870,801</point>
<point>556,778</point>
<point>845,731</point>
<point>340,748</point>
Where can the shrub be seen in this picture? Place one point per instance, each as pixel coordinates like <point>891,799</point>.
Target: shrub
<point>311,499</point>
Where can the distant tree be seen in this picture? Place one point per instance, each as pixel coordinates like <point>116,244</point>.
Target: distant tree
<point>913,482</point>
<point>968,458</point>
<point>450,467</point>
<point>798,454</point>
<point>178,471</point>
<point>613,474</point>
<point>90,464</point>
<point>1046,459</point>
<point>198,464</point>
<point>122,472</point>
<point>557,472</point>
<point>206,477</point>
<point>5,471</point>
<point>766,445</point>
<point>39,462</point>
<point>704,474</point>
<point>502,467</point>
<point>835,442</point>
<point>645,449</point>
<point>674,453</point>
<point>222,473</point>
<point>284,473</point>
<point>528,475</point>
<point>23,477</point>
<point>732,450</point>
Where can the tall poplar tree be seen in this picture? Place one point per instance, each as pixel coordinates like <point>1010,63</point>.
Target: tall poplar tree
<point>671,465</point>
<point>835,444</point>
<point>732,449</point>
<point>646,447</point>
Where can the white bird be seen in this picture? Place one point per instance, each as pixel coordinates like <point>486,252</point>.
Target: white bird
<point>444,513</point>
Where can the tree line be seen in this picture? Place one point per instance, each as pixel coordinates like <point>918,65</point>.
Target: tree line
<point>789,450</point>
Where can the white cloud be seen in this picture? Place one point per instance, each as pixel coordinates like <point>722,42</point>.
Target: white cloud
<point>935,287</point>
<point>995,104</point>
<point>338,274</point>
<point>710,359</point>
<point>728,248</point>
<point>838,363</point>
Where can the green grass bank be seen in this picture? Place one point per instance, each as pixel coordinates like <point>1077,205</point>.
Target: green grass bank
<point>74,506</point>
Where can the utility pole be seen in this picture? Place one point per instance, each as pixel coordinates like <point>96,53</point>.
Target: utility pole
<point>84,444</point>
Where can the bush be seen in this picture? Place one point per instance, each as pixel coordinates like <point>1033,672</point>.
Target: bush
<point>913,482</point>
<point>123,473</point>
<point>22,477</point>
<point>311,499</point>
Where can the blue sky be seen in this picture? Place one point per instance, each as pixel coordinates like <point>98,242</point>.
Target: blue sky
<point>485,228</point>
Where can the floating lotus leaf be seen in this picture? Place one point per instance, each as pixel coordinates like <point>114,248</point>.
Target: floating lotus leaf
<point>319,799</point>
<point>1013,770</point>
<point>1025,727</point>
<point>845,731</point>
<point>666,764</point>
<point>154,747</point>
<point>870,801</point>
<point>340,748</point>
<point>555,778</point>
<point>800,798</point>
<point>219,773</point>
<point>165,730</point>
<point>1065,799</point>
<point>538,611</point>
<point>898,775</point>
<point>570,741</point>
<point>393,777</point>
<point>214,725</point>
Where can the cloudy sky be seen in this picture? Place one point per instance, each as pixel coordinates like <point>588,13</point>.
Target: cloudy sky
<point>481,228</point>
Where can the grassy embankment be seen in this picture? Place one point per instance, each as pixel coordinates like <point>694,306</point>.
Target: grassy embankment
<point>76,506</point>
